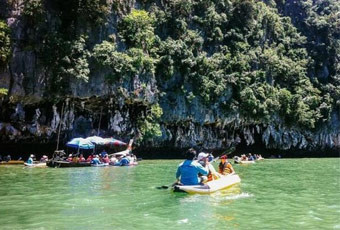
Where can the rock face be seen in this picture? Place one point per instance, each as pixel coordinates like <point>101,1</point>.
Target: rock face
<point>81,118</point>
<point>94,108</point>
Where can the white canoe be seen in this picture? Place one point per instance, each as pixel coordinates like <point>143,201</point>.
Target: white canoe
<point>36,165</point>
<point>244,162</point>
<point>211,186</point>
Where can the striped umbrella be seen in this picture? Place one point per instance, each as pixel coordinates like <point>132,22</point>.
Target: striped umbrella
<point>96,140</point>
<point>80,143</point>
<point>115,142</point>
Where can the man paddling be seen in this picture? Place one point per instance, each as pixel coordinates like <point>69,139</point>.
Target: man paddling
<point>187,171</point>
<point>30,159</point>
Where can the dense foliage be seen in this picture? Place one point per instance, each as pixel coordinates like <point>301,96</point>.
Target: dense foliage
<point>268,61</point>
<point>5,43</point>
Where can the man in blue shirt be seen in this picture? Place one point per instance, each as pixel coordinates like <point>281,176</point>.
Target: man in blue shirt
<point>30,159</point>
<point>250,157</point>
<point>187,171</point>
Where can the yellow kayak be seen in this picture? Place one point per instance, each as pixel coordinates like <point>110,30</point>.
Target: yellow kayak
<point>211,186</point>
<point>12,162</point>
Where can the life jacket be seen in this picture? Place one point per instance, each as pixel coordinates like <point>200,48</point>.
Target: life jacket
<point>210,176</point>
<point>223,168</point>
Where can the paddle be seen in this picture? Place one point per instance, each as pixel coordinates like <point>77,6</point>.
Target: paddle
<point>167,186</point>
<point>226,152</point>
<point>163,187</point>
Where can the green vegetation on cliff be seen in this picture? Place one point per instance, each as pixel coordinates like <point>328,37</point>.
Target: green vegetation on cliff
<point>271,62</point>
<point>5,43</point>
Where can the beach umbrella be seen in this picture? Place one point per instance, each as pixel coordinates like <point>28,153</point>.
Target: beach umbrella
<point>80,143</point>
<point>115,142</point>
<point>96,140</point>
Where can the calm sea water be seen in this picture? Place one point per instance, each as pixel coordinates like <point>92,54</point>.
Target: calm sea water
<point>273,194</point>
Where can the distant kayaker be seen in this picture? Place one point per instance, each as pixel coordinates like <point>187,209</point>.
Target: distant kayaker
<point>7,158</point>
<point>30,159</point>
<point>187,171</point>
<point>244,157</point>
<point>250,157</point>
<point>225,167</point>
<point>43,159</point>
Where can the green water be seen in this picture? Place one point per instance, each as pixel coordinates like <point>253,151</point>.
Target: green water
<point>274,194</point>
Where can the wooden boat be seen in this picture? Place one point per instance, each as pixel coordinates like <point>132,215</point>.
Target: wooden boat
<point>211,186</point>
<point>66,164</point>
<point>58,159</point>
<point>12,162</point>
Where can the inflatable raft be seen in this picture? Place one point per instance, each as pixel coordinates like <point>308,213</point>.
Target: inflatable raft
<point>211,186</point>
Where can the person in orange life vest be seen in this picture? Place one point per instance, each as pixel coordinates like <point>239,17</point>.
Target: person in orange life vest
<point>225,167</point>
<point>203,159</point>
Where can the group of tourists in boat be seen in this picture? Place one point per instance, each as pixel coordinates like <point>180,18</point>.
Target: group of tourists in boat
<point>247,159</point>
<point>77,159</point>
<point>196,174</point>
<point>103,159</point>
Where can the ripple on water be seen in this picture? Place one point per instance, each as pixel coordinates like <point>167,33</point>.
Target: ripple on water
<point>238,196</point>
<point>183,221</point>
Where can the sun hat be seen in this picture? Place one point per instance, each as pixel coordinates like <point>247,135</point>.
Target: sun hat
<point>202,155</point>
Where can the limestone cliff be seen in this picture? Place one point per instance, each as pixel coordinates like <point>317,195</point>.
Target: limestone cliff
<point>31,111</point>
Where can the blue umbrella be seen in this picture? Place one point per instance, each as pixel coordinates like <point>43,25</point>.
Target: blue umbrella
<point>80,143</point>
<point>96,140</point>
